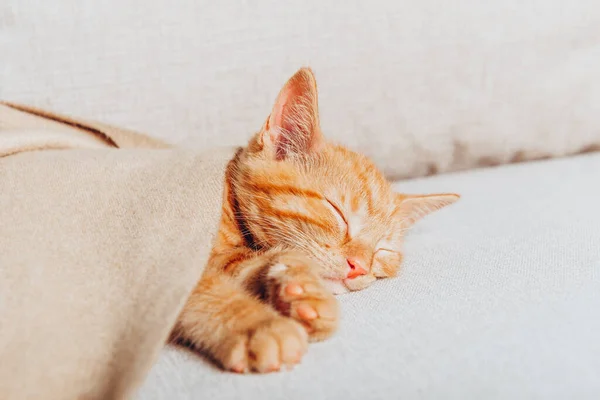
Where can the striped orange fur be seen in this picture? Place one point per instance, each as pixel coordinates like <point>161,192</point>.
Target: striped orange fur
<point>302,219</point>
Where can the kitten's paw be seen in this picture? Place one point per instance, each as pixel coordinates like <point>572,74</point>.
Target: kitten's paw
<point>279,342</point>
<point>296,291</point>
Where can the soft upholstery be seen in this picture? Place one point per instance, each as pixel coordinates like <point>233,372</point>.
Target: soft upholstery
<point>421,86</point>
<point>499,298</point>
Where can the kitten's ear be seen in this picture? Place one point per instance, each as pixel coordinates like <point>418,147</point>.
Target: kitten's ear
<point>293,126</point>
<point>411,208</point>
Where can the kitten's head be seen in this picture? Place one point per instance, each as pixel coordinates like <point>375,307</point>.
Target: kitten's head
<point>297,190</point>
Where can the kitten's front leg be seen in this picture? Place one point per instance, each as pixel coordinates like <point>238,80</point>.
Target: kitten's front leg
<point>238,330</point>
<point>296,290</point>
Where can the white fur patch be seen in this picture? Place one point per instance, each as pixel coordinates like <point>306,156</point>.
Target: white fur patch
<point>355,224</point>
<point>295,206</point>
<point>356,220</point>
<point>277,269</point>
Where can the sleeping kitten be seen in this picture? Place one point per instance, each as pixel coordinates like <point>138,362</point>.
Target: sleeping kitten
<point>302,218</point>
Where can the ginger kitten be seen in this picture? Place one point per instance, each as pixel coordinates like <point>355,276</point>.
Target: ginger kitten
<point>302,219</point>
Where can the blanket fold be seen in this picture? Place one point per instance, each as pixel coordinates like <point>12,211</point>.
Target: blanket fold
<point>103,234</point>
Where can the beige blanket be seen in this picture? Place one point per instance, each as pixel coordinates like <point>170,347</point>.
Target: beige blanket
<point>99,249</point>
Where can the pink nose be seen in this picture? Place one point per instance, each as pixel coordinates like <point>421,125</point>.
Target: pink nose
<point>355,268</point>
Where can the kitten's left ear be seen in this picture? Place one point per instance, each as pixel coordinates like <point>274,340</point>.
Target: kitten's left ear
<point>411,208</point>
<point>293,126</point>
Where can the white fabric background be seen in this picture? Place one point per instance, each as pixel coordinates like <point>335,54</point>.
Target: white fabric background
<point>421,86</point>
<point>499,298</point>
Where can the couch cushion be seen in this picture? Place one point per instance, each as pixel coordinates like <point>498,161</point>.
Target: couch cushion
<point>447,84</point>
<point>499,297</point>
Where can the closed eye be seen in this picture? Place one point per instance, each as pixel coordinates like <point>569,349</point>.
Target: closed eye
<point>339,215</point>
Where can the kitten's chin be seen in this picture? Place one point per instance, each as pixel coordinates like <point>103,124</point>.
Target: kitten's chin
<point>336,286</point>
<point>359,283</point>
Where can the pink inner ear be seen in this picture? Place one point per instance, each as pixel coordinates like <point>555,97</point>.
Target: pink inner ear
<point>277,115</point>
<point>281,129</point>
<point>293,125</point>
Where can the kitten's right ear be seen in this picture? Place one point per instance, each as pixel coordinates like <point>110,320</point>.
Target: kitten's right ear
<point>293,126</point>
<point>411,208</point>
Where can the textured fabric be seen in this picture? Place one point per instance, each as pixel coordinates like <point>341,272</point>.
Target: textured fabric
<point>499,298</point>
<point>99,249</point>
<point>420,86</point>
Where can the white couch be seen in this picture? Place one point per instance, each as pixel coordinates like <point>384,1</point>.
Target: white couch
<point>499,296</point>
